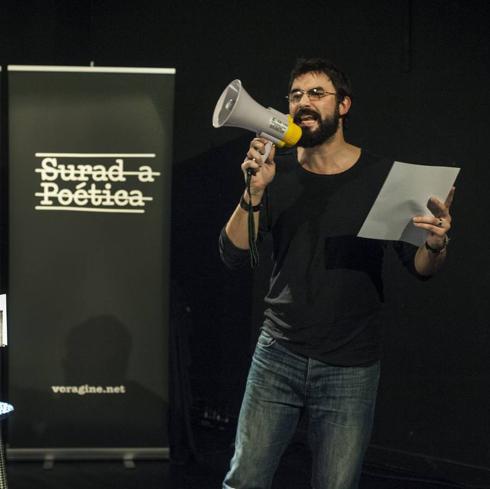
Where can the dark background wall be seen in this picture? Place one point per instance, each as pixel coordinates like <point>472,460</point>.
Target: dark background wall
<point>420,71</point>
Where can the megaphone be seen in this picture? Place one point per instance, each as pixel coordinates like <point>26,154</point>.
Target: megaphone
<point>237,108</point>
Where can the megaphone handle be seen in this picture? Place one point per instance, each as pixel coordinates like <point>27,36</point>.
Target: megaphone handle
<point>268,148</point>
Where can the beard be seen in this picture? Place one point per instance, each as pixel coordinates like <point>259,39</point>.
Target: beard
<point>326,128</point>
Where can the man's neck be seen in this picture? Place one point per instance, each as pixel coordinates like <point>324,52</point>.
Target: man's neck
<point>333,156</point>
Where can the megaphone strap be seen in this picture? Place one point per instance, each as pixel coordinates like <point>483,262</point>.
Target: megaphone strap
<point>252,244</point>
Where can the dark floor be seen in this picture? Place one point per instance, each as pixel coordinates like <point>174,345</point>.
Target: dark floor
<point>152,475</point>
<point>213,450</point>
<point>205,474</point>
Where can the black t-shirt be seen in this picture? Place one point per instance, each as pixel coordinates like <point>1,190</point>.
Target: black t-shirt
<point>326,285</point>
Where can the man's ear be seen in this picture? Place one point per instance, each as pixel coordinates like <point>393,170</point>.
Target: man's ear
<point>344,106</point>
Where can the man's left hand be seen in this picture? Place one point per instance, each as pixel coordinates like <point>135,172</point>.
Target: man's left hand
<point>439,223</point>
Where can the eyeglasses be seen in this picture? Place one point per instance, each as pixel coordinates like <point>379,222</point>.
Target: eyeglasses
<point>313,94</point>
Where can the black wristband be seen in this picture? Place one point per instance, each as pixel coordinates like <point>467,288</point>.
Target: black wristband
<point>437,250</point>
<point>246,206</point>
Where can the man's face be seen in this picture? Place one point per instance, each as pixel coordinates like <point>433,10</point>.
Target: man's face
<point>317,117</point>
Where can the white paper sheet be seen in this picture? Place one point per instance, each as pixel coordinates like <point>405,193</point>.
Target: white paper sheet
<point>405,194</point>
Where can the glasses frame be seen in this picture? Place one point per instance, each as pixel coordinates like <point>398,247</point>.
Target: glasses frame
<point>309,94</point>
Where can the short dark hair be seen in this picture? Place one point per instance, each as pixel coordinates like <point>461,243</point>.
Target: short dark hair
<point>338,78</point>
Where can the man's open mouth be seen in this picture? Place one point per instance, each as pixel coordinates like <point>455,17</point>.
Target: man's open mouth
<point>306,117</point>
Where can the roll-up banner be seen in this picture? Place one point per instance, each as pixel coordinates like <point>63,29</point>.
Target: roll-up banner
<point>3,194</point>
<point>3,246</point>
<point>89,193</point>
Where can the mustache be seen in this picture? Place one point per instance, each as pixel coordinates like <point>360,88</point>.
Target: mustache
<point>304,112</point>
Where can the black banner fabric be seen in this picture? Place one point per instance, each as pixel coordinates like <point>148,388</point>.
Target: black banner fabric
<point>89,195</point>
<point>3,193</point>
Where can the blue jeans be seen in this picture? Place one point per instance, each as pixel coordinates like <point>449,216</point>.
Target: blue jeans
<point>339,405</point>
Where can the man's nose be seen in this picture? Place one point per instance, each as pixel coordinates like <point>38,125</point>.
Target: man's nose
<point>304,101</point>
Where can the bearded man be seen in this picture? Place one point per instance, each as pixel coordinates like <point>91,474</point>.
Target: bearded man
<point>318,353</point>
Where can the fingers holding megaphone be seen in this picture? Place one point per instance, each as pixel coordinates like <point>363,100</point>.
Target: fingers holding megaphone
<point>259,163</point>
<point>261,150</point>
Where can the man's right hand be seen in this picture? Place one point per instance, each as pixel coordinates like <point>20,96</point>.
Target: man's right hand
<point>264,170</point>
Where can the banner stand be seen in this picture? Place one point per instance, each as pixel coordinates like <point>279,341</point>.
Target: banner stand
<point>128,456</point>
<point>89,168</point>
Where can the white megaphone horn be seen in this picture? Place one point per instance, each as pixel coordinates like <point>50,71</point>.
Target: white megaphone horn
<point>237,108</point>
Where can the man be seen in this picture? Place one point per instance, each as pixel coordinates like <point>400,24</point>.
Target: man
<point>319,348</point>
